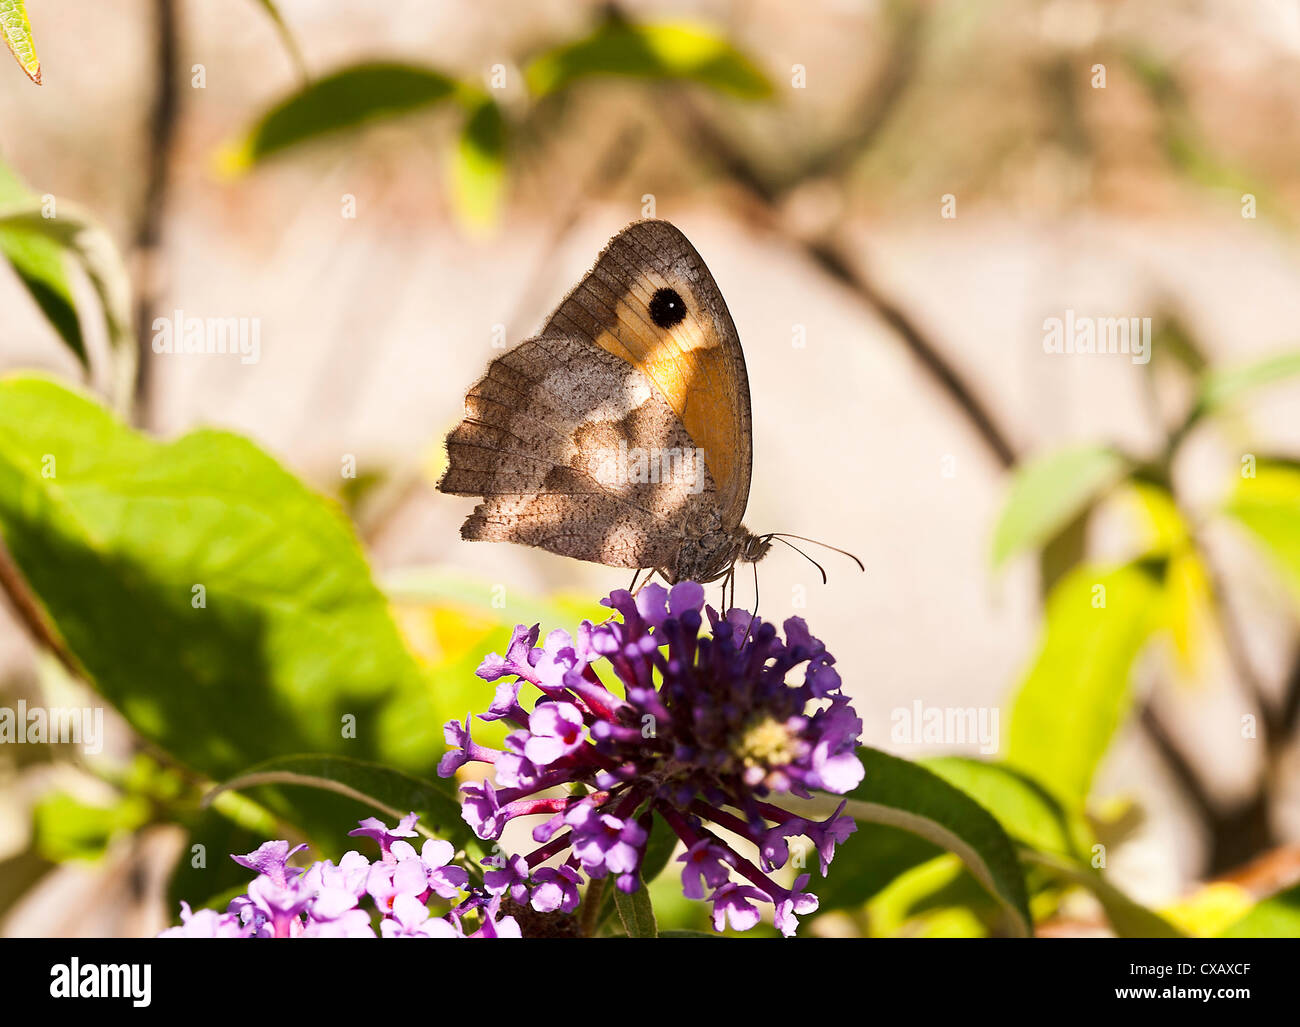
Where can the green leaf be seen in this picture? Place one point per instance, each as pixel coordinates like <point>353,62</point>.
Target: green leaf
<point>80,235</point>
<point>381,789</point>
<point>663,50</point>
<point>291,644</point>
<point>1277,916</point>
<point>1027,811</point>
<point>346,99</point>
<point>1078,690</point>
<point>1219,388</point>
<point>659,849</point>
<point>905,796</point>
<point>635,911</point>
<point>872,858</point>
<point>1047,493</point>
<point>38,262</point>
<point>18,36</point>
<point>1128,918</point>
<point>67,828</point>
<point>478,169</point>
<point>1268,506</point>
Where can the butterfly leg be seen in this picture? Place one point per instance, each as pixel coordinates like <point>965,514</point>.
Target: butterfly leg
<point>632,587</point>
<point>755,613</point>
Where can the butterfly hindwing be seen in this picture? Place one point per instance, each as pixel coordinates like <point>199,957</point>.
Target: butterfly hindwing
<point>640,358</point>
<point>543,442</point>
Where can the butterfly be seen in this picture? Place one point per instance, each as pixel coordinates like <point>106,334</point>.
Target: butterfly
<point>621,433</point>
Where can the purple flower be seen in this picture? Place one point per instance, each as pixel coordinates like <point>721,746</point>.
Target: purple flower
<point>481,810</point>
<point>555,729</point>
<point>793,902</point>
<point>735,903</point>
<point>324,899</point>
<point>271,859</point>
<point>374,828</point>
<point>412,919</point>
<point>280,904</point>
<point>705,865</point>
<point>491,927</point>
<point>711,725</point>
<point>207,923</point>
<point>556,889</point>
<point>429,870</point>
<point>606,844</point>
<point>510,879</point>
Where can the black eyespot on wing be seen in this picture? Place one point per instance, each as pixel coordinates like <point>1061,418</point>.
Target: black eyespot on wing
<point>667,308</point>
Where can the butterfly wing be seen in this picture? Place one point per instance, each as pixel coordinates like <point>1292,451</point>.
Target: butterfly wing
<point>697,364</point>
<point>545,442</point>
<point>550,429</point>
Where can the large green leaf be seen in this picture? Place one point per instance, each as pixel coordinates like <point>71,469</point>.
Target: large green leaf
<point>1077,691</point>
<point>907,797</point>
<point>1268,505</point>
<point>1048,493</point>
<point>1025,809</point>
<point>348,98</point>
<point>662,50</point>
<point>1027,812</point>
<point>18,35</point>
<point>38,262</point>
<point>293,645</point>
<point>1277,916</point>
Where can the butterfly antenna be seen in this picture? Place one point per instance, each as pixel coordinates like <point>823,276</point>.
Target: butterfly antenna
<point>824,545</point>
<point>801,553</point>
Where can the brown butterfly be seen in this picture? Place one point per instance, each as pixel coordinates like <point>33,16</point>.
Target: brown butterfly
<point>621,433</point>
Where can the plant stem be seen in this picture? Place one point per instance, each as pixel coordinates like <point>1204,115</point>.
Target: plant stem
<point>589,921</point>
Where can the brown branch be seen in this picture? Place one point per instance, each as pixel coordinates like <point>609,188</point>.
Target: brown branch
<point>148,234</point>
<point>30,615</point>
<point>1179,765</point>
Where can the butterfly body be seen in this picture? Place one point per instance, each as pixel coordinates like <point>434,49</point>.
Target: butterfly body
<point>620,434</point>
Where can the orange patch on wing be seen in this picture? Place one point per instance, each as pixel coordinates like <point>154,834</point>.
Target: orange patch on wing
<point>690,369</point>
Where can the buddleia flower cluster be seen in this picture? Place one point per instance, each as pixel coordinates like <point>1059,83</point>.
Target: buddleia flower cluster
<point>704,734</point>
<point>345,900</point>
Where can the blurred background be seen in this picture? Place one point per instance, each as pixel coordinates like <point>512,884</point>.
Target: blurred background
<point>893,196</point>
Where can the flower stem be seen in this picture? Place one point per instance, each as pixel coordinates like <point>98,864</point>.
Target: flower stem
<point>589,920</point>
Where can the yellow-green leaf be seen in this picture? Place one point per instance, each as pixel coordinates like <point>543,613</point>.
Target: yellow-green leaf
<point>678,50</point>
<point>1077,690</point>
<point>478,169</point>
<point>1047,493</point>
<point>18,35</point>
<point>1268,505</point>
